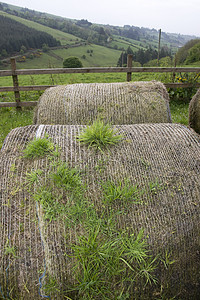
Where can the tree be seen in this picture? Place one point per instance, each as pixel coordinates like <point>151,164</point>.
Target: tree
<point>72,62</point>
<point>45,48</point>
<point>193,54</point>
<point>182,53</point>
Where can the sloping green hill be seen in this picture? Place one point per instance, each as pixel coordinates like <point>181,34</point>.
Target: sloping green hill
<point>90,56</point>
<point>63,37</point>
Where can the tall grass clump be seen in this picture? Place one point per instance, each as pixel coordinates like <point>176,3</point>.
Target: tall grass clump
<point>38,147</point>
<point>99,135</point>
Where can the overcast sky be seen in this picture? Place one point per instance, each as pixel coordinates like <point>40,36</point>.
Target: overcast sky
<point>175,16</point>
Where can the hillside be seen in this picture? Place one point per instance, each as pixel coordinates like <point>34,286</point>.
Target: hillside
<point>78,36</point>
<point>189,53</point>
<point>14,35</point>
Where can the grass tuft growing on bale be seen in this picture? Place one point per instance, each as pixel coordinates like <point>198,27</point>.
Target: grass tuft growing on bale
<point>99,135</point>
<point>102,259</point>
<point>125,192</point>
<point>38,147</point>
<point>66,177</point>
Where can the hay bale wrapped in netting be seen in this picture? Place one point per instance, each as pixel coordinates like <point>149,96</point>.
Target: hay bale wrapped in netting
<point>116,103</point>
<point>84,223</point>
<point>194,112</point>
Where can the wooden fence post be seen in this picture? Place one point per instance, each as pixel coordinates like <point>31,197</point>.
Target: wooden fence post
<point>129,65</point>
<point>15,82</point>
<point>159,38</point>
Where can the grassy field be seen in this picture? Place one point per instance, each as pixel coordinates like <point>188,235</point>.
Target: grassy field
<point>99,57</point>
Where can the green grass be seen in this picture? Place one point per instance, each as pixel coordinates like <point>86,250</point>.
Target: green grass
<point>44,61</point>
<point>38,148</point>
<point>11,118</point>
<point>180,111</point>
<point>100,57</point>
<point>99,136</point>
<point>120,192</point>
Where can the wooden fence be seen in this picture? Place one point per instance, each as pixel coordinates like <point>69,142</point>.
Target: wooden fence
<point>14,72</point>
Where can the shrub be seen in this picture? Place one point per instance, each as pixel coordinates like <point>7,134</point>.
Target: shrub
<point>72,62</point>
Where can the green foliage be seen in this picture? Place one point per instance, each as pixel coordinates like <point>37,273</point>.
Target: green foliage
<point>179,111</point>
<point>99,135</point>
<point>45,48</point>
<point>65,177</point>
<point>143,56</point>
<point>185,93</point>
<point>72,62</point>
<point>182,53</point>
<point>120,192</point>
<point>51,286</point>
<point>51,206</point>
<point>11,39</point>
<point>12,118</point>
<point>39,147</point>
<point>109,265</point>
<point>167,260</point>
<point>193,54</point>
<point>33,176</point>
<point>11,251</point>
<point>163,62</point>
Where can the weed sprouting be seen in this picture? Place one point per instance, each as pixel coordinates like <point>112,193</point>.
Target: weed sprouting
<point>51,286</point>
<point>155,187</point>
<point>109,266</point>
<point>68,178</point>
<point>11,251</point>
<point>33,177</point>
<point>167,260</point>
<point>99,135</point>
<point>51,206</point>
<point>120,192</point>
<point>38,147</point>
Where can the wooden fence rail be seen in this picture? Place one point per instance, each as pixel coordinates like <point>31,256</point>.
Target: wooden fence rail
<point>14,72</point>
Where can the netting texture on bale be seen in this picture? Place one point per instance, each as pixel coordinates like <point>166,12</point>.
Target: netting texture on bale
<point>116,103</point>
<point>194,112</point>
<point>65,216</point>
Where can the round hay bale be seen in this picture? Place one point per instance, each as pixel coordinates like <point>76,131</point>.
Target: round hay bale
<point>115,103</point>
<point>194,112</point>
<point>149,181</point>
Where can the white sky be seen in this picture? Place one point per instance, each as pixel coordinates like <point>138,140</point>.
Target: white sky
<point>174,16</point>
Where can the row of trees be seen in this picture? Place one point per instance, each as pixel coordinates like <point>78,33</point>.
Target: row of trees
<point>143,56</point>
<point>14,35</point>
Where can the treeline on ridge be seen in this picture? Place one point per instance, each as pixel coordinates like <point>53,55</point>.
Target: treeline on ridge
<point>14,35</point>
<point>143,56</point>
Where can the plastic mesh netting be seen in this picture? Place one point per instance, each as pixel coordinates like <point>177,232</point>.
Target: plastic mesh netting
<point>161,160</point>
<point>116,103</point>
